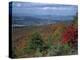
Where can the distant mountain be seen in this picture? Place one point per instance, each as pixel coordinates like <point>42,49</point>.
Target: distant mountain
<point>28,21</point>
<point>25,20</point>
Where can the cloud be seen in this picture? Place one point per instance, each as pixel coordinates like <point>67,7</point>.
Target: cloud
<point>53,8</point>
<point>18,4</point>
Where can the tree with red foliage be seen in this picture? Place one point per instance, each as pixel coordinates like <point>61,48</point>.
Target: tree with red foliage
<point>70,35</point>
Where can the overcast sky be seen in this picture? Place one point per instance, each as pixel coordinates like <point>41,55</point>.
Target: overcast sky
<point>23,8</point>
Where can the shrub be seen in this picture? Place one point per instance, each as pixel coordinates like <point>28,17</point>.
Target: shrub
<point>36,41</point>
<point>36,45</point>
<point>59,49</point>
<point>70,35</point>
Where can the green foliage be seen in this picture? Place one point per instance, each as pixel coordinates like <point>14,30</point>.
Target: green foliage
<point>49,43</point>
<point>65,49</point>
<point>36,45</point>
<point>36,41</point>
<point>75,20</point>
<point>13,54</point>
<point>38,53</point>
<point>54,50</point>
<point>60,50</point>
